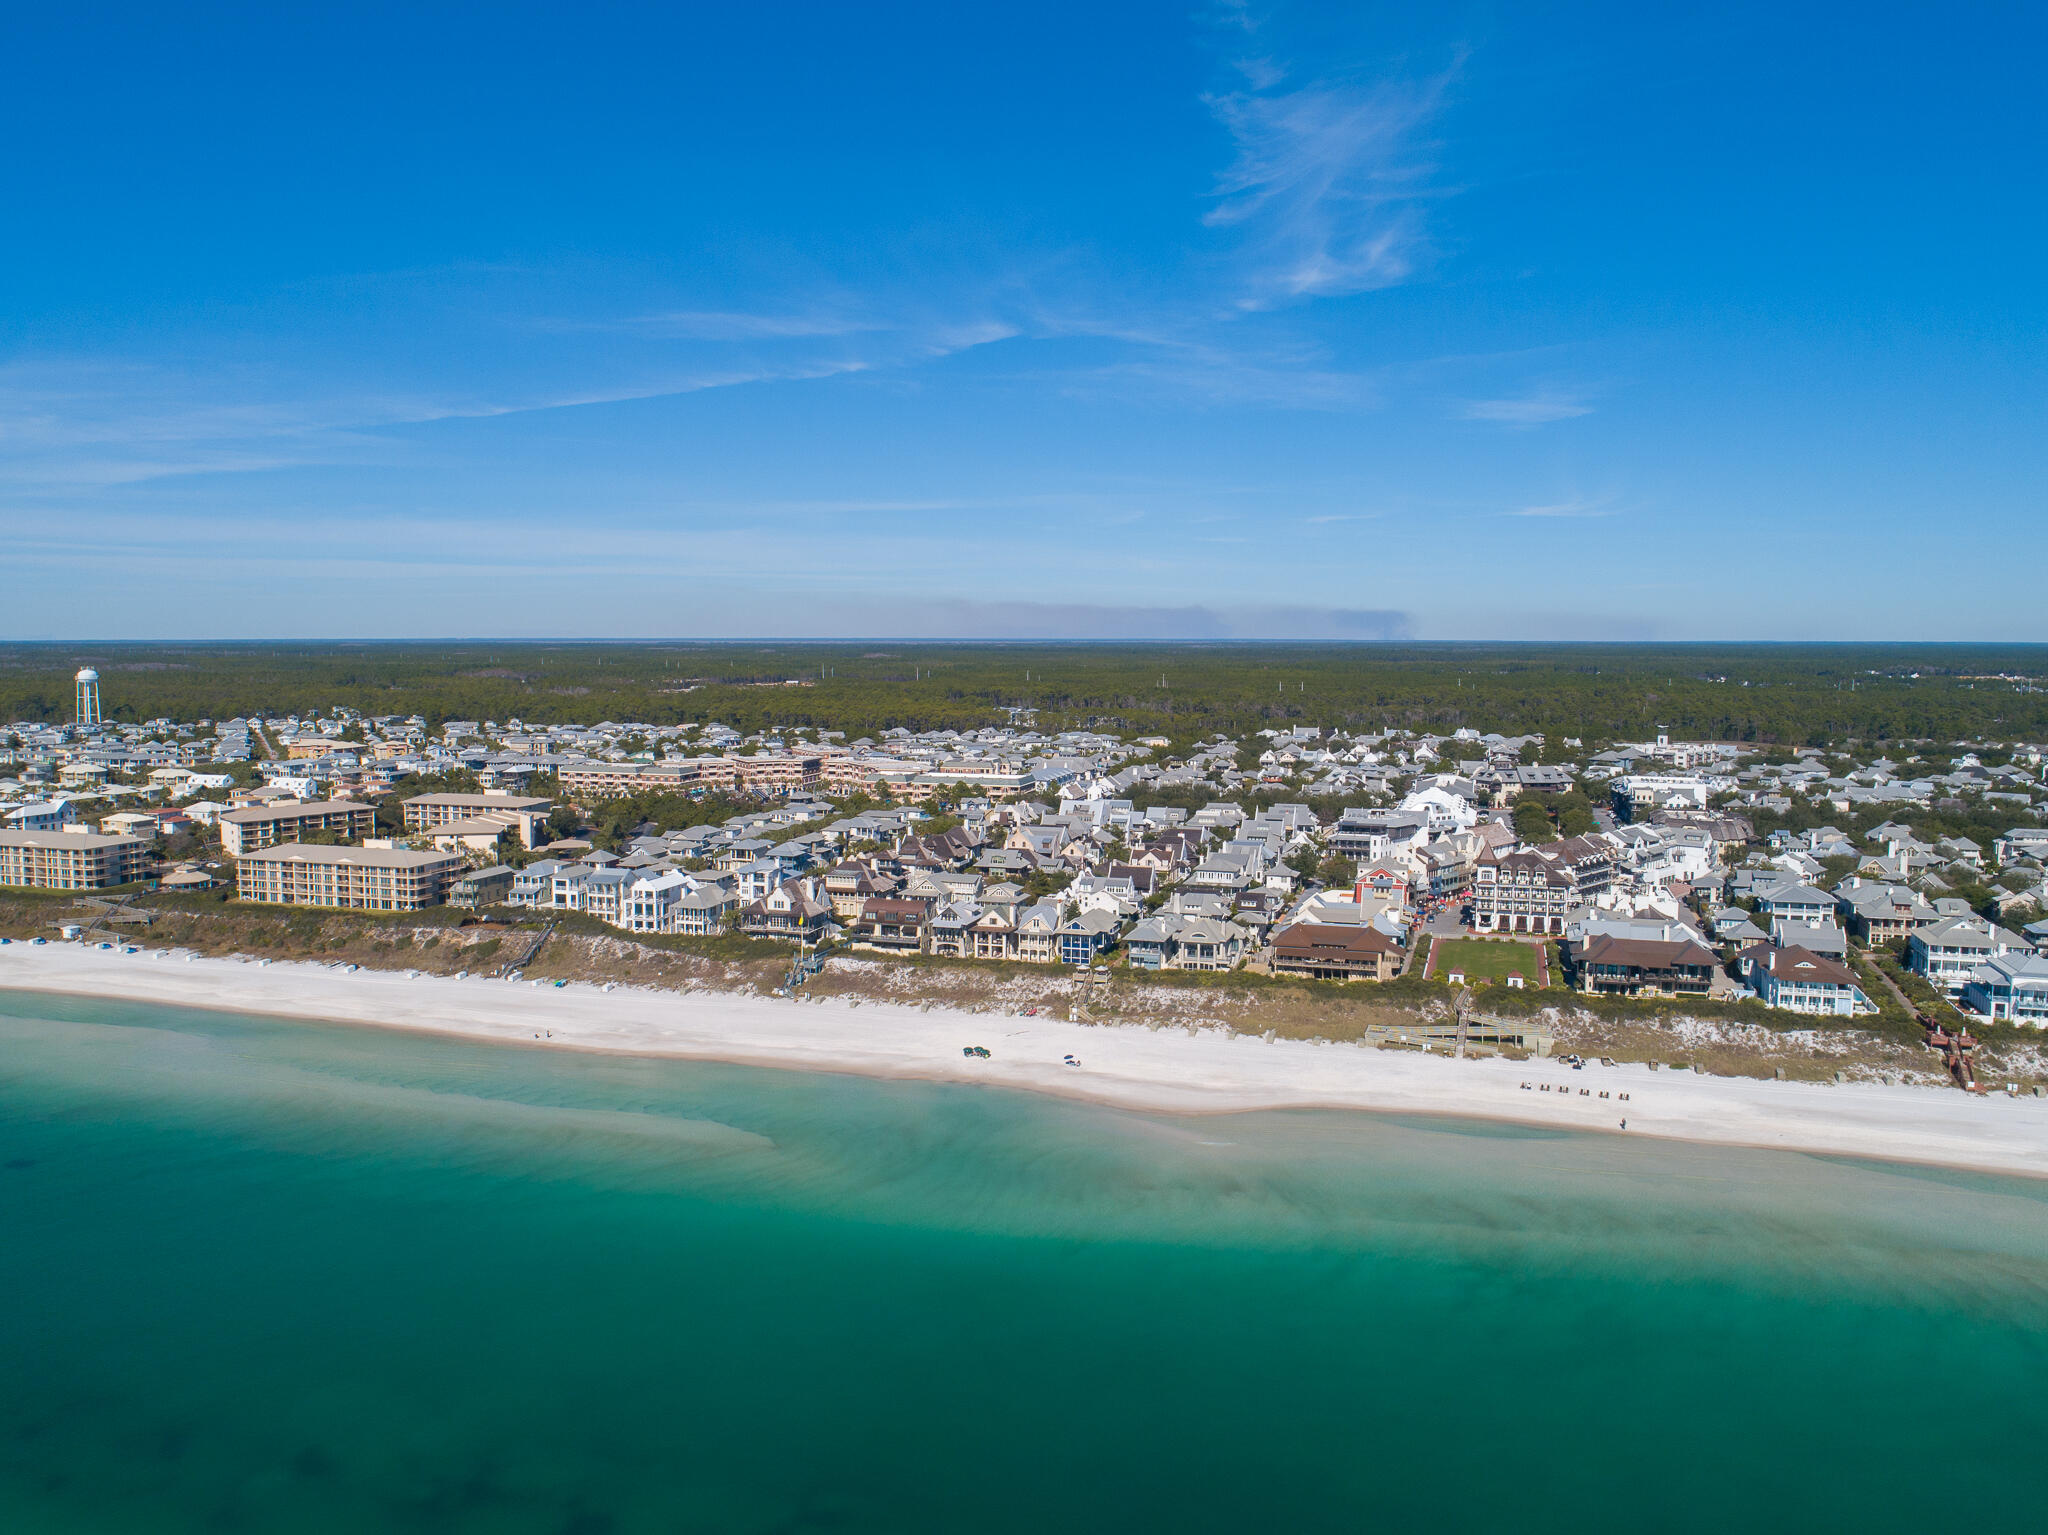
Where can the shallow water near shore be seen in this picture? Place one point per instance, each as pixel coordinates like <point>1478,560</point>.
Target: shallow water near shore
<point>268,1275</point>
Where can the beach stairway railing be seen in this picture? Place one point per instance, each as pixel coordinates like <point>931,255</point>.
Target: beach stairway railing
<point>532,950</point>
<point>1476,1031</point>
<point>109,912</point>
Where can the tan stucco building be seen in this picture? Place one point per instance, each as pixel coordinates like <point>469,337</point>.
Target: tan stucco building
<point>69,860</point>
<point>358,878</point>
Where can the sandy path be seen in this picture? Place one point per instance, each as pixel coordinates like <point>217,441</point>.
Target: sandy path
<point>1129,1066</point>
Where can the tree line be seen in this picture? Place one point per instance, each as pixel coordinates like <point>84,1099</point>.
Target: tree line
<point>1765,695</point>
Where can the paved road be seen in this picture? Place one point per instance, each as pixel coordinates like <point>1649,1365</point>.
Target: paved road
<point>1445,925</point>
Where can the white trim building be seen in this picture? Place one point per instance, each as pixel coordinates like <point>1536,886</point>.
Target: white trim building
<point>355,878</point>
<point>69,860</point>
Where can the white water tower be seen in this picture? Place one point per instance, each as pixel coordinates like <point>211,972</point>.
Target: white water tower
<point>88,696</point>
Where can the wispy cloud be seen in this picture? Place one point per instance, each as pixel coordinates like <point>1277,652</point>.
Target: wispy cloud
<point>1578,506</point>
<point>1532,410</point>
<point>97,422</point>
<point>1217,376</point>
<point>1342,517</point>
<point>82,424</point>
<point>729,325</point>
<point>1328,181</point>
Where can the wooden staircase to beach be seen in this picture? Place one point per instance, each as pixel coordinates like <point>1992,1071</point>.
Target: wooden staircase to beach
<point>532,951</point>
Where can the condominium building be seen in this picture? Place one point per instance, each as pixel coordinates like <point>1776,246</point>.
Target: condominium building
<point>616,778</point>
<point>260,826</point>
<point>360,878</point>
<point>778,773</point>
<point>1534,889</point>
<point>526,815</point>
<point>770,773</point>
<point>69,860</point>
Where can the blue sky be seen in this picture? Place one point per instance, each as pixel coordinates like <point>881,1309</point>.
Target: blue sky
<point>1492,321</point>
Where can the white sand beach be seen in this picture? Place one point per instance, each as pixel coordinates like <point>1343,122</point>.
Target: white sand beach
<point>1166,1070</point>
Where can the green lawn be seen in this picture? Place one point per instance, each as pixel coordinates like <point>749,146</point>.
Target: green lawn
<point>1483,960</point>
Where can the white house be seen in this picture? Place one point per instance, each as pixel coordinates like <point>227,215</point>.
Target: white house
<point>653,901</point>
<point>1444,811</point>
<point>1950,951</point>
<point>1800,981</point>
<point>42,815</point>
<point>2012,986</point>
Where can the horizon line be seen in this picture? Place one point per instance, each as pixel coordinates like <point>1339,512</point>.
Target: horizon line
<point>1210,641</point>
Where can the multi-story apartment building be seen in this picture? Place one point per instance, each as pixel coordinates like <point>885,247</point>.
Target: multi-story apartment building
<point>990,778</point>
<point>359,878</point>
<point>847,773</point>
<point>69,860</point>
<point>1533,890</point>
<point>611,779</point>
<point>259,826</point>
<point>782,773</point>
<point>521,813</point>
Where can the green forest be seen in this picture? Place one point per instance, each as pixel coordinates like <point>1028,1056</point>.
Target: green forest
<point>1785,695</point>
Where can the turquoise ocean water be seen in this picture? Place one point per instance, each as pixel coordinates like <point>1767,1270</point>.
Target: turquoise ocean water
<point>259,1275</point>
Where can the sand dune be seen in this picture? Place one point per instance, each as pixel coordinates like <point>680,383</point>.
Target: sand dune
<point>1133,1067</point>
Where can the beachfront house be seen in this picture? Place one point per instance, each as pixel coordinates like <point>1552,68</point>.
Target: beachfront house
<point>2012,987</point>
<point>651,901</point>
<point>1800,981</point>
<point>1090,933</point>
<point>1038,927</point>
<point>793,909</point>
<point>706,910</point>
<point>1607,965</point>
<point>890,925</point>
<point>1331,952</point>
<point>1950,951</point>
<point>1171,940</point>
<point>482,887</point>
<point>534,884</point>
